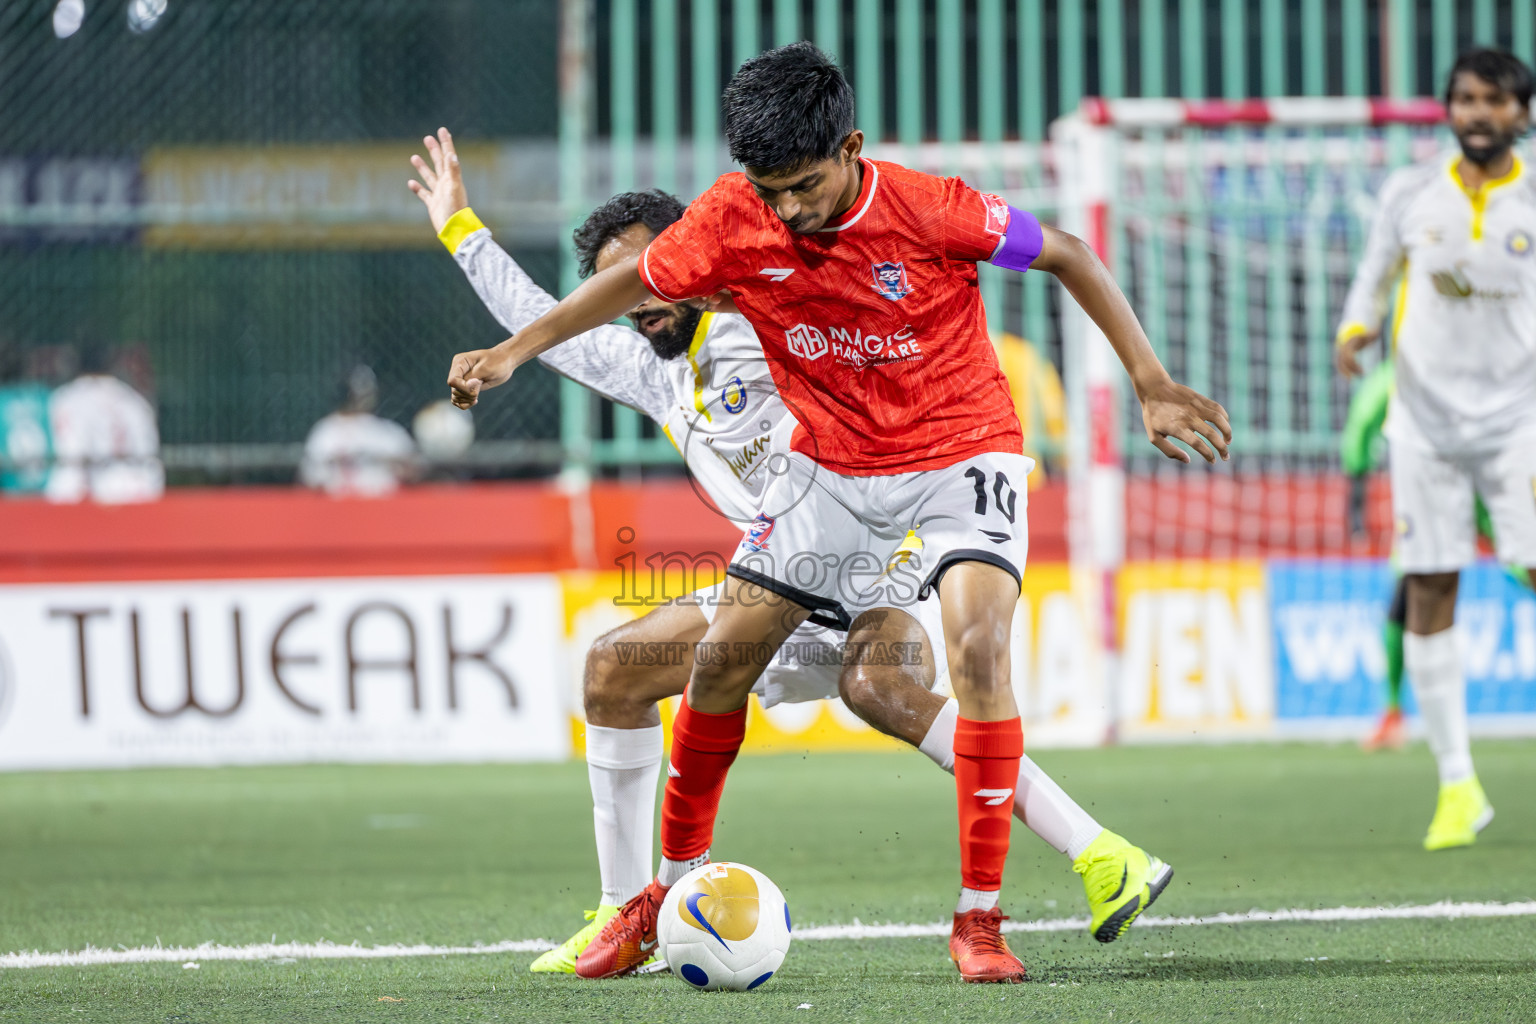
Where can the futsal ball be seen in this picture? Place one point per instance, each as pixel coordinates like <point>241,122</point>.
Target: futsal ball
<point>724,927</point>
<point>443,431</point>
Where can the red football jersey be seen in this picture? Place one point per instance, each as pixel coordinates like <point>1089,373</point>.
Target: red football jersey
<point>873,326</point>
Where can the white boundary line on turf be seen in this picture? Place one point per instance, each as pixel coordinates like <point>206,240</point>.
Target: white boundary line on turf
<point>1444,910</point>
<point>260,951</point>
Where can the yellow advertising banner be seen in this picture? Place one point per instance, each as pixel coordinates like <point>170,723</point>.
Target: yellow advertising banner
<point>345,195</point>
<point>596,602</point>
<point>1195,650</point>
<point>1057,672</point>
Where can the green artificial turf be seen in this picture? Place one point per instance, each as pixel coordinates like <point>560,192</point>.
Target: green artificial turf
<point>478,854</point>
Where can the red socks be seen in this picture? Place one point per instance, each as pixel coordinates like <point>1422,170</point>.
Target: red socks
<point>703,747</point>
<point>986,772</point>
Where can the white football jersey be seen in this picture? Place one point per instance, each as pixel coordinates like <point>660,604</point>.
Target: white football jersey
<point>357,454</point>
<point>106,444</point>
<point>1465,321</point>
<point>717,403</point>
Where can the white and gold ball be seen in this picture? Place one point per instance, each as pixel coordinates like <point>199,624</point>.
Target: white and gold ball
<point>443,432</point>
<point>724,926</point>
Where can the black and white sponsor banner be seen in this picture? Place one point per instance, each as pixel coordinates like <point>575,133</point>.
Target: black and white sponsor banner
<point>242,672</point>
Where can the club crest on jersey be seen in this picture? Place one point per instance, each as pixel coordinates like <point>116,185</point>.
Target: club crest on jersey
<point>998,214</point>
<point>734,395</point>
<point>1518,243</point>
<point>891,280</point>
<point>757,535</point>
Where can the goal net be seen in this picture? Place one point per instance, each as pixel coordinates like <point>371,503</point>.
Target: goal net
<point>1234,228</point>
<point>1248,595</point>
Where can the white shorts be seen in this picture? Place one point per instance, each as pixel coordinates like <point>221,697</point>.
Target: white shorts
<point>1432,503</point>
<point>807,667</point>
<point>840,544</point>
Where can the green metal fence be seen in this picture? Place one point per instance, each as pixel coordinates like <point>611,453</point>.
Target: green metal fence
<point>1237,247</point>
<point>973,86</point>
<point>249,326</point>
<point>220,195</point>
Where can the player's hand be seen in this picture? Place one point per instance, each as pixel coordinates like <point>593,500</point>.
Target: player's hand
<point>472,372</point>
<point>441,188</point>
<point>1345,353</point>
<point>721,302</point>
<point>1171,410</point>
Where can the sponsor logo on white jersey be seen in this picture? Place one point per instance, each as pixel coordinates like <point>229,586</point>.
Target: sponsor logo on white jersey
<point>744,461</point>
<point>995,797</point>
<point>776,274</point>
<point>1455,284</point>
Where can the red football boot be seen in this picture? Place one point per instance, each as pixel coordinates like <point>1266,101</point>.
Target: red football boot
<point>627,940</point>
<point>1390,733</point>
<point>977,947</point>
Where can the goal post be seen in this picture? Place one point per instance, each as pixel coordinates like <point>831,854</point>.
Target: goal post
<point>1234,229</point>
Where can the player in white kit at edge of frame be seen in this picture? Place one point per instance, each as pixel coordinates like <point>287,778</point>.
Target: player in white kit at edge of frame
<point>701,376</point>
<point>1460,229</point>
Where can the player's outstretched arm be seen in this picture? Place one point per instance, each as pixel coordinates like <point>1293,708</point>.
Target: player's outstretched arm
<point>611,360</point>
<point>1168,409</point>
<point>441,188</point>
<point>603,297</point>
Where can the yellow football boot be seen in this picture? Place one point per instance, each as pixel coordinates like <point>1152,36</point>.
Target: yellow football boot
<point>1461,813</point>
<point>562,959</point>
<point>1121,881</point>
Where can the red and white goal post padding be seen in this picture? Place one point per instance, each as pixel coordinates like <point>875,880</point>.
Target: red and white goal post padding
<point>1083,143</point>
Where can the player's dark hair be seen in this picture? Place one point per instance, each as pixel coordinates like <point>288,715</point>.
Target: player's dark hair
<point>653,208</point>
<point>94,357</point>
<point>787,108</point>
<point>1497,67</point>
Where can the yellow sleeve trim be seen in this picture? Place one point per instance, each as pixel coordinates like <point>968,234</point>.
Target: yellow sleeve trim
<point>459,227</point>
<point>1349,332</point>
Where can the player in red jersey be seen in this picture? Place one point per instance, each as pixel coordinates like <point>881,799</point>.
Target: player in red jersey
<point>859,277</point>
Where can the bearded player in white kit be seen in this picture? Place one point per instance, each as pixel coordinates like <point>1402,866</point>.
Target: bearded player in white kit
<point>1461,230</point>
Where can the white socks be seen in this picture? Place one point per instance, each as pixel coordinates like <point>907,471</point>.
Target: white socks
<point>939,742</point>
<point>623,766</point>
<point>976,899</point>
<point>672,871</point>
<point>1433,665</point>
<point>1038,802</point>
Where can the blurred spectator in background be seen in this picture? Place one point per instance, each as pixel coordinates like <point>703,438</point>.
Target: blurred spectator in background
<point>354,453</point>
<point>25,445</point>
<point>106,445</point>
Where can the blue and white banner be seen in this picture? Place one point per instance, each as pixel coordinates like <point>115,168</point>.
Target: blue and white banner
<point>1330,661</point>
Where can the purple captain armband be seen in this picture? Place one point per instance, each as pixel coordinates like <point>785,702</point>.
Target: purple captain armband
<point>1021,243</point>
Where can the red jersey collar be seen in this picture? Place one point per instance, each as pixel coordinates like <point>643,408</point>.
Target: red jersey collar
<point>849,217</point>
